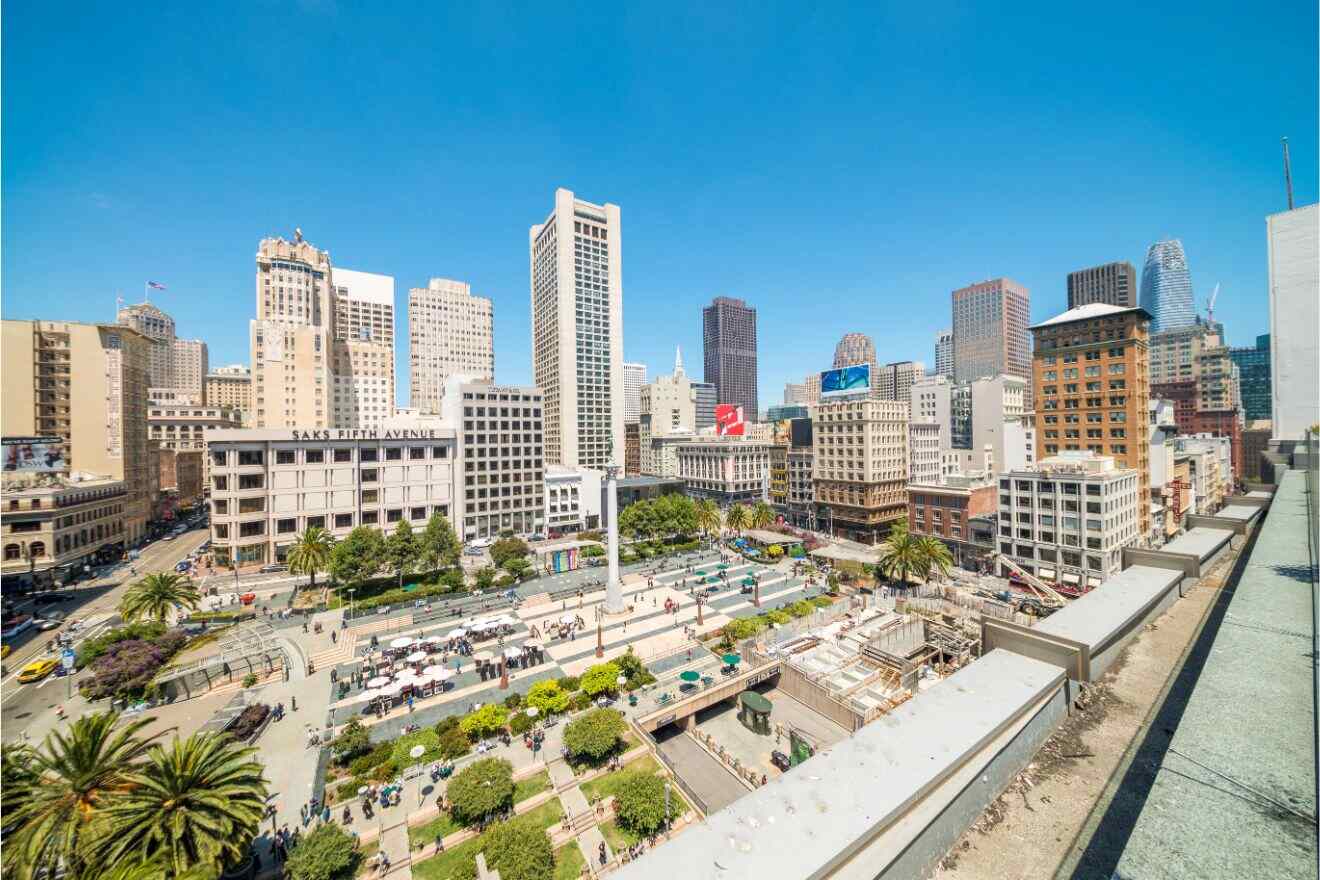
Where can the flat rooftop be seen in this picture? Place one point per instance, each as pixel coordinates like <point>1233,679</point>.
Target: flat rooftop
<point>1246,732</point>
<point>1200,542</point>
<point>1239,512</point>
<point>1111,605</point>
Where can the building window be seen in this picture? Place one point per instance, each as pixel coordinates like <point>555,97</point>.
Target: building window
<point>315,522</point>
<point>218,459</point>
<point>343,520</point>
<point>366,455</point>
<point>285,526</point>
<point>440,452</point>
<point>221,484</point>
<point>369,475</point>
<point>342,455</point>
<point>394,515</point>
<point>221,531</point>
<point>251,505</point>
<point>251,481</point>
<point>369,517</point>
<point>314,456</point>
<point>417,513</point>
<point>252,529</point>
<point>250,457</point>
<point>393,453</point>
<point>12,552</point>
<point>416,452</point>
<point>285,456</point>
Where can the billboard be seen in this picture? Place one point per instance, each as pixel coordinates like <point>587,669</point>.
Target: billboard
<point>846,380</point>
<point>729,420</point>
<point>33,455</point>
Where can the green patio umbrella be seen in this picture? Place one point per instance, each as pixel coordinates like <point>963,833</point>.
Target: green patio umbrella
<point>712,580</point>
<point>732,659</point>
<point>690,675</point>
<point>701,572</point>
<point>722,565</point>
<point>749,582</point>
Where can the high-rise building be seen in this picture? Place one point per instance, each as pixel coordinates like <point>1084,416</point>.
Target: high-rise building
<point>1114,284</point>
<point>990,330</point>
<point>1092,389</point>
<point>87,385</point>
<point>812,382</point>
<point>944,353</point>
<point>924,452</point>
<point>1294,262</point>
<point>1254,378</point>
<point>894,381</point>
<point>632,451</point>
<point>1191,367</point>
<point>668,406</point>
<point>729,331</point>
<point>231,388</point>
<point>178,366</point>
<point>634,377</point>
<point>291,338</point>
<point>854,348</point>
<point>705,398</point>
<point>451,333</point>
<point>860,466</point>
<point>576,259</point>
<point>1166,287</point>
<point>363,362</point>
<point>796,394</point>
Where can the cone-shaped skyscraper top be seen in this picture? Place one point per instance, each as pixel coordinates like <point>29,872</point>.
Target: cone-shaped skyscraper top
<point>1166,287</point>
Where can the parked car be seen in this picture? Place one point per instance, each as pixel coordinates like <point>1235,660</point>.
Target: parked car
<point>537,537</point>
<point>273,568</point>
<point>780,760</point>
<point>183,566</point>
<point>37,670</point>
<point>46,624</point>
<point>472,551</point>
<point>482,543</point>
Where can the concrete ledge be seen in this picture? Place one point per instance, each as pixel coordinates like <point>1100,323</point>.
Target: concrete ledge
<point>1236,519</point>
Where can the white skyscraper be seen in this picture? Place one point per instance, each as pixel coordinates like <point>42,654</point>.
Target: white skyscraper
<point>451,334</point>
<point>944,353</point>
<point>363,364</point>
<point>576,263</point>
<point>634,377</point>
<point>1294,259</point>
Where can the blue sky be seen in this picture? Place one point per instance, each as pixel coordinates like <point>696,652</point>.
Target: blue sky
<point>841,169</point>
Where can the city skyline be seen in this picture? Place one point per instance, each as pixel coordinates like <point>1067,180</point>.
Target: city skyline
<point>1208,191</point>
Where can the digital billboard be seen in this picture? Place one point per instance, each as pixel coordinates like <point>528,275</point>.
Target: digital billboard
<point>33,454</point>
<point>845,380</point>
<point>729,420</point>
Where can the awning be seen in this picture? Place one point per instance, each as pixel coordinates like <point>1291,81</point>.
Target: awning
<point>1071,578</point>
<point>1047,573</point>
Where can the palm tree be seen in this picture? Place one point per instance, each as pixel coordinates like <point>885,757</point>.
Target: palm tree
<point>737,518</point>
<point>900,554</point>
<point>935,556</point>
<point>196,803</point>
<point>762,515</point>
<point>708,517</point>
<point>75,775</point>
<point>311,552</point>
<point>157,596</point>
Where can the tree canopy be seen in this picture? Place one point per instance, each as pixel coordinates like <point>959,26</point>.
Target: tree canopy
<point>600,679</point>
<point>548,697</point>
<point>659,517</point>
<point>595,734</point>
<point>639,802</point>
<point>358,556</point>
<point>519,850</point>
<point>489,719</point>
<point>480,789</point>
<point>328,852</point>
<point>158,596</point>
<point>402,551</point>
<point>311,552</point>
<point>508,548</point>
<point>438,546</point>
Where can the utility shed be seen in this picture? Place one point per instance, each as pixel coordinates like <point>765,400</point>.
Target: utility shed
<point>1238,512</point>
<point>890,800</point>
<point>1202,543</point>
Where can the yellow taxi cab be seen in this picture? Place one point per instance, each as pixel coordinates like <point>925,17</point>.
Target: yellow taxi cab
<point>5,651</point>
<point>37,670</point>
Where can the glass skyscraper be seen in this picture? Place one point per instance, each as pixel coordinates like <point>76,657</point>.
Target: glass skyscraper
<point>1166,287</point>
<point>1254,377</point>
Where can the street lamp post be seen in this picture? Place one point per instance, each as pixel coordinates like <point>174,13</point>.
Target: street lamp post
<point>666,804</point>
<point>351,591</point>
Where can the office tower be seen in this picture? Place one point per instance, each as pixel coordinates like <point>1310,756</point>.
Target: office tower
<point>796,394</point>
<point>729,331</point>
<point>990,330</point>
<point>451,334</point>
<point>363,362</point>
<point>1166,287</point>
<point>87,385</point>
<point>812,382</point>
<point>1294,264</point>
<point>894,381</point>
<point>291,336</point>
<point>782,412</point>
<point>1254,378</point>
<point>634,377</point>
<point>668,406</point>
<point>1113,283</point>
<point>727,470</point>
<point>1091,370</point>
<point>861,466</point>
<point>177,365</point>
<point>632,451</point>
<point>1191,367</point>
<point>231,388</point>
<point>180,432</point>
<point>576,259</point>
<point>854,348</point>
<point>944,353</point>
<point>705,399</point>
<point>924,449</point>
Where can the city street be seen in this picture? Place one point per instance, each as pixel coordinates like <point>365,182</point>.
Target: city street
<point>30,708</point>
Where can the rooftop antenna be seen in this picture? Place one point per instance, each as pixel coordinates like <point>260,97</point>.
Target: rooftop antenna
<point>1287,173</point>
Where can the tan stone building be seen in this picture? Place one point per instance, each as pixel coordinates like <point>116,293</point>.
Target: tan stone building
<point>176,427</point>
<point>86,384</point>
<point>177,367</point>
<point>53,525</point>
<point>363,365</point>
<point>860,466</point>
<point>450,333</point>
<point>291,337</point>
<point>1091,370</point>
<point>181,474</point>
<point>231,388</point>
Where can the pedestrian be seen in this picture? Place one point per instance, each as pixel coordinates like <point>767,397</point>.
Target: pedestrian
<point>302,813</point>
<point>293,703</point>
<point>334,637</point>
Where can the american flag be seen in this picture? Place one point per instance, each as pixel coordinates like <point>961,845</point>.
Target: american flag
<point>155,285</point>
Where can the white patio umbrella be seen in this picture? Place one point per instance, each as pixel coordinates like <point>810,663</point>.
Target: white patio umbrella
<point>481,657</point>
<point>505,620</point>
<point>442,673</point>
<point>513,653</point>
<point>568,620</point>
<point>532,643</point>
<point>402,642</point>
<point>432,671</point>
<point>391,689</point>
<point>435,640</point>
<point>457,633</point>
<point>378,681</point>
<point>366,696</point>
<point>406,675</point>
<point>532,711</point>
<point>416,657</point>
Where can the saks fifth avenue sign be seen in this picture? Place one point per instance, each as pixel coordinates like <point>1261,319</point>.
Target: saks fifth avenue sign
<point>368,434</point>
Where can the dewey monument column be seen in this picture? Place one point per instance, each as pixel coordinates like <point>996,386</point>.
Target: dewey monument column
<point>614,586</point>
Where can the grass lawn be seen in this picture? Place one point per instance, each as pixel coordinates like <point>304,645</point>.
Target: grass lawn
<point>367,851</point>
<point>569,862</point>
<point>531,786</point>
<point>605,786</point>
<point>629,742</point>
<point>443,865</point>
<point>617,837</point>
<point>443,825</point>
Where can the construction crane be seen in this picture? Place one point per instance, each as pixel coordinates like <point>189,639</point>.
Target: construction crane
<point>1210,305</point>
<point>1050,597</point>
